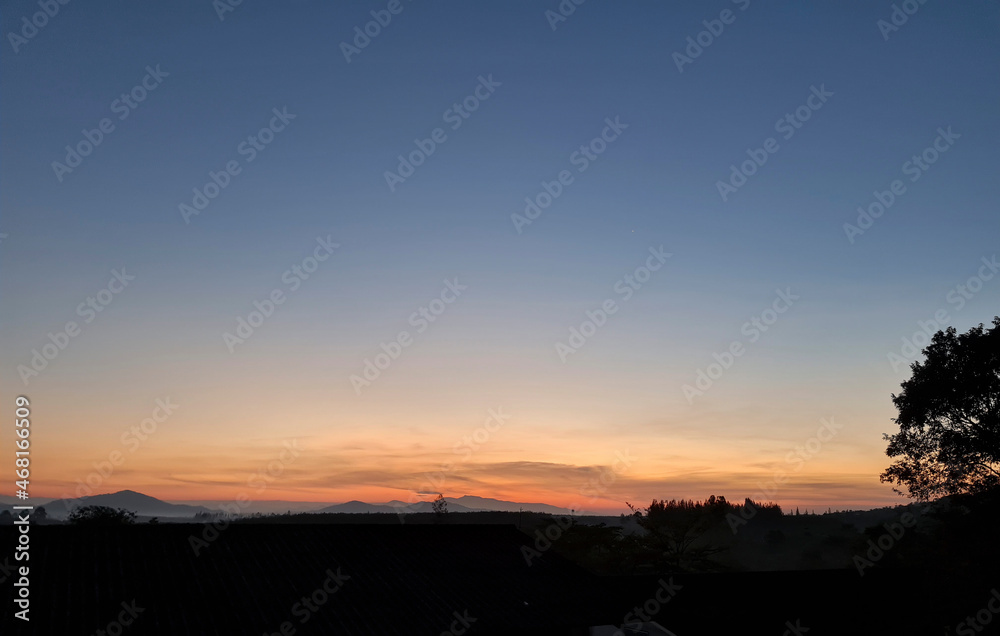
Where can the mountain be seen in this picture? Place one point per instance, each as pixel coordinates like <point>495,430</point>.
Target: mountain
<point>485,503</point>
<point>356,507</point>
<point>466,503</point>
<point>6,500</point>
<point>142,505</point>
<point>146,506</point>
<point>428,506</point>
<point>265,506</point>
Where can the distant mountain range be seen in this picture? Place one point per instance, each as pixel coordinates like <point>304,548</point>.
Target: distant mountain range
<point>485,503</point>
<point>360,507</point>
<point>146,506</point>
<point>466,503</point>
<point>142,505</point>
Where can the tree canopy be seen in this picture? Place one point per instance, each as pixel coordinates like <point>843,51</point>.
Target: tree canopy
<point>440,507</point>
<point>679,531</point>
<point>949,417</point>
<point>101,515</point>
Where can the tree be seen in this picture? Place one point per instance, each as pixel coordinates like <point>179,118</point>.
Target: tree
<point>440,508</point>
<point>676,529</point>
<point>101,516</point>
<point>949,417</point>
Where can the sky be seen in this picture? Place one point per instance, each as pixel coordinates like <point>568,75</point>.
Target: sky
<point>536,251</point>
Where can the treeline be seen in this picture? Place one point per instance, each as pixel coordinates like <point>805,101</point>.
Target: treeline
<point>712,505</point>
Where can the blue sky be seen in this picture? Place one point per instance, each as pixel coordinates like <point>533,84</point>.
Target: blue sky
<point>655,185</point>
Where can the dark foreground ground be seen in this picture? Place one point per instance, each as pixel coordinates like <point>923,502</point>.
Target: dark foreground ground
<point>425,579</point>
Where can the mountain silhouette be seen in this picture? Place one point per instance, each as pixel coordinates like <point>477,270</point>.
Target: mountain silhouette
<point>146,506</point>
<point>486,503</point>
<point>142,505</point>
<point>394,506</point>
<point>465,503</point>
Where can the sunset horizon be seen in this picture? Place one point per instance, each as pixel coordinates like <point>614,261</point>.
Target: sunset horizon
<point>674,276</point>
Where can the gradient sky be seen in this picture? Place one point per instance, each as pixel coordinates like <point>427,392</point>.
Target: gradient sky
<point>323,175</point>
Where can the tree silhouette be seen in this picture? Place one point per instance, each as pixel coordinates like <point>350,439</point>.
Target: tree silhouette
<point>440,508</point>
<point>949,417</point>
<point>101,516</point>
<point>676,531</point>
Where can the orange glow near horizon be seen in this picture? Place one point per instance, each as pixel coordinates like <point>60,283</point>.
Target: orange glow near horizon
<point>590,449</point>
<point>581,474</point>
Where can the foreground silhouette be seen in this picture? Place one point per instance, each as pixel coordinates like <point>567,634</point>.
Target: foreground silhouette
<point>949,417</point>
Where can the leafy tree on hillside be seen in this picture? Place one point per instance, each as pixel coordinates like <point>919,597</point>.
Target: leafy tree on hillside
<point>949,417</point>
<point>440,508</point>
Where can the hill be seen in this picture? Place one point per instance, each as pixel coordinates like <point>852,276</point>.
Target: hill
<point>142,505</point>
<point>466,503</point>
